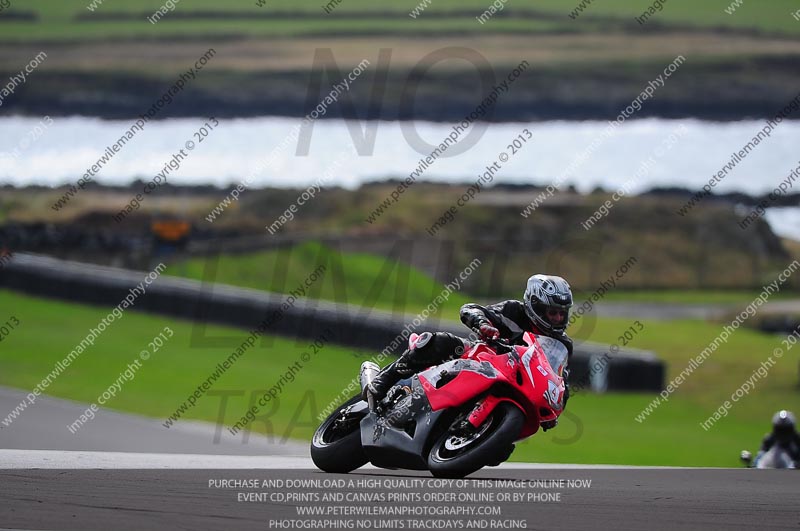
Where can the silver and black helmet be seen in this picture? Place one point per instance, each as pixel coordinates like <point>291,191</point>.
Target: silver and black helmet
<point>783,422</point>
<point>548,299</point>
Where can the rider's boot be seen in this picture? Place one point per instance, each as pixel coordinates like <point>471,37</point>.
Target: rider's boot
<point>423,353</point>
<point>384,380</point>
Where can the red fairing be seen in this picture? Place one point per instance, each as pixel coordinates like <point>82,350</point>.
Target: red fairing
<point>530,381</point>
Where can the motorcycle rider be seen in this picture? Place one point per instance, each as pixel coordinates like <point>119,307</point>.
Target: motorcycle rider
<point>784,434</point>
<point>544,311</point>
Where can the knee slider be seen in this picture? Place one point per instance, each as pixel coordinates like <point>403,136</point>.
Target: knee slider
<point>423,339</point>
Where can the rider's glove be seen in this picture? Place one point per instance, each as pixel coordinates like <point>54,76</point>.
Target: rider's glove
<point>487,331</point>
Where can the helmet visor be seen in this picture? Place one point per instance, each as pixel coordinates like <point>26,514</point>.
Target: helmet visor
<point>555,316</point>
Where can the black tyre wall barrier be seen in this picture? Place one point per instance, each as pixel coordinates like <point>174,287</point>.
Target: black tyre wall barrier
<point>305,319</point>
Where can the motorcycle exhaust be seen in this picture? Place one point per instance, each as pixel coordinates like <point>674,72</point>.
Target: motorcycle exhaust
<point>369,370</point>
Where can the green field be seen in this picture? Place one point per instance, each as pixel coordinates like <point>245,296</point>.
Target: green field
<point>127,18</point>
<point>608,431</point>
<point>677,296</point>
<point>376,282</point>
<point>351,278</point>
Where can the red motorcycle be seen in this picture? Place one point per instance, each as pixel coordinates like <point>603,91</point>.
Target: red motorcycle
<point>452,419</point>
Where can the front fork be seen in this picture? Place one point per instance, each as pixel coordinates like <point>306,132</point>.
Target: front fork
<point>369,370</point>
<point>482,409</point>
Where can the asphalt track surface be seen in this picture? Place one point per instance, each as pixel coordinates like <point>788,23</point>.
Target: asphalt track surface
<point>43,426</point>
<point>137,499</point>
<point>130,473</point>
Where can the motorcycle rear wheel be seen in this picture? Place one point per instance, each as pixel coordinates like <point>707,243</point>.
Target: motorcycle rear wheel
<point>457,456</point>
<point>336,445</point>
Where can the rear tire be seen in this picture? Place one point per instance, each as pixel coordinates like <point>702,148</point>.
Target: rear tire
<point>336,446</point>
<point>453,457</point>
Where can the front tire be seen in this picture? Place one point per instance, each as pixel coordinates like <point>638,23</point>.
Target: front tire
<point>336,445</point>
<point>456,456</point>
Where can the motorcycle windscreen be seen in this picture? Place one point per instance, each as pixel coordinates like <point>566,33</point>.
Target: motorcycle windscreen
<point>556,353</point>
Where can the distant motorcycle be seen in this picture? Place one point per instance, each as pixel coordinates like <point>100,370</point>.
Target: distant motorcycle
<point>775,457</point>
<point>451,419</point>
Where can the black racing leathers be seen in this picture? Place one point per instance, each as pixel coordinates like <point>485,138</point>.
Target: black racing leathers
<point>509,318</point>
<point>791,444</point>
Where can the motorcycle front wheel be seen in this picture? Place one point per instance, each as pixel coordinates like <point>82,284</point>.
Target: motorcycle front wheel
<point>455,455</point>
<point>336,445</point>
